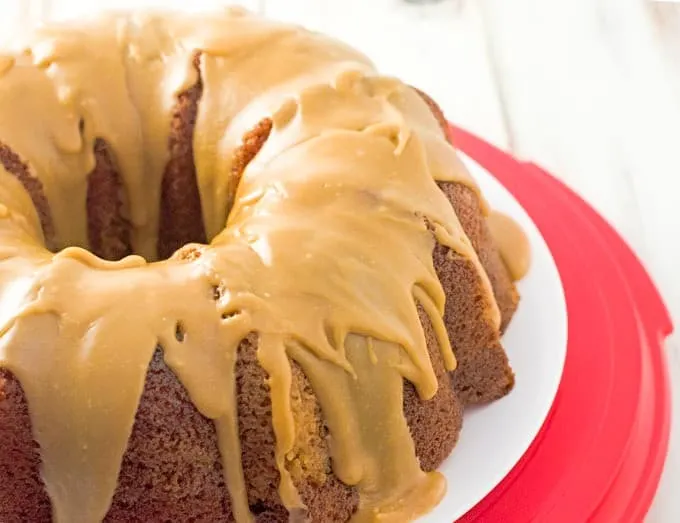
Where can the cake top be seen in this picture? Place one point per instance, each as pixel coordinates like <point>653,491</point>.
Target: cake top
<point>323,247</point>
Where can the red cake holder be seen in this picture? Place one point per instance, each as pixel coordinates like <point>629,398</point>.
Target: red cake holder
<point>600,453</point>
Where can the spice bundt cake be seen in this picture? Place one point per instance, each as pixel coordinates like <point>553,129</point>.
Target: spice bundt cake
<point>328,298</point>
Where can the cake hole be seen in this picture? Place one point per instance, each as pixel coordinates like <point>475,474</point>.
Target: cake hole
<point>180,333</point>
<point>230,315</point>
<point>217,292</point>
<point>181,218</point>
<point>109,227</point>
<point>258,508</point>
<point>428,223</point>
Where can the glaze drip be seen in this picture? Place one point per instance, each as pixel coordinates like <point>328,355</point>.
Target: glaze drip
<point>512,242</point>
<point>323,249</point>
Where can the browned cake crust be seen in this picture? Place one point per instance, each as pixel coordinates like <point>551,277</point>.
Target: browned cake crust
<point>172,469</point>
<point>108,230</point>
<point>436,423</point>
<point>467,206</point>
<point>469,211</point>
<point>483,372</point>
<point>181,220</point>
<point>14,165</point>
<point>22,496</point>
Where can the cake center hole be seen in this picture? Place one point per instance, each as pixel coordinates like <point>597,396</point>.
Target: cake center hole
<point>181,220</point>
<point>110,233</point>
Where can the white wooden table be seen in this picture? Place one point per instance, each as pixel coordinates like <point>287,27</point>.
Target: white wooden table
<point>590,89</point>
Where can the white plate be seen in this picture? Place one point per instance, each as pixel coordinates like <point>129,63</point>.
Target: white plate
<point>495,436</point>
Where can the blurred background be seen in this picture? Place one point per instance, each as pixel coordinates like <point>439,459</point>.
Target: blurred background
<point>590,89</point>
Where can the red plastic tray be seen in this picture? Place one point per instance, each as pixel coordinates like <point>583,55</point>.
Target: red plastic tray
<point>601,450</point>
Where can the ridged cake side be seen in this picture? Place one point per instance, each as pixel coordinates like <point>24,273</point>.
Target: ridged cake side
<point>172,469</point>
<point>181,464</point>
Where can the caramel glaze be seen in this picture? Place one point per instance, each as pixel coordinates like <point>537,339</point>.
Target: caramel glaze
<point>512,242</point>
<point>322,248</point>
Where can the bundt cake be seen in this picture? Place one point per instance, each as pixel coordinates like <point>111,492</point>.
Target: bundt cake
<point>243,277</point>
